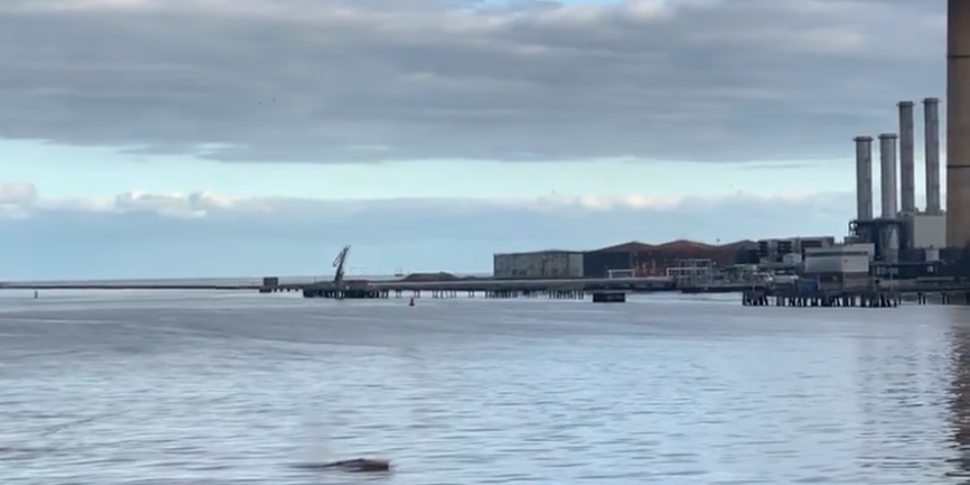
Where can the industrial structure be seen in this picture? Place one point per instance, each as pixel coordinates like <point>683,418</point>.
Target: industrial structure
<point>844,266</point>
<point>902,241</point>
<point>657,259</point>
<point>632,259</point>
<point>773,253</point>
<point>958,124</point>
<point>901,233</point>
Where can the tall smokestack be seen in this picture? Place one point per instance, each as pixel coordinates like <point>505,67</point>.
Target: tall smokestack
<point>907,162</point>
<point>958,123</point>
<point>863,177</point>
<point>931,145</point>
<point>887,155</point>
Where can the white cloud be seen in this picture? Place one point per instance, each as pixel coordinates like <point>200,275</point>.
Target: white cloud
<point>300,80</point>
<point>17,193</point>
<point>16,199</point>
<point>155,235</point>
<point>206,203</point>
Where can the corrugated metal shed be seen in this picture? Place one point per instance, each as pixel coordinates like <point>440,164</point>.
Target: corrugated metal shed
<point>597,264</point>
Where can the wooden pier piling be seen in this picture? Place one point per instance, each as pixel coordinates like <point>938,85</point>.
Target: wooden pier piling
<point>356,294</point>
<point>862,298</point>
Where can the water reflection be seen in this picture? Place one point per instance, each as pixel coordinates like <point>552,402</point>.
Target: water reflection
<point>902,385</point>
<point>960,391</point>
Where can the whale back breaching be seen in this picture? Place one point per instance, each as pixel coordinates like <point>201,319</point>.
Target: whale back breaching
<point>360,465</point>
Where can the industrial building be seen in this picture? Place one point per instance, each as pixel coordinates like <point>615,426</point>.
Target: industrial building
<point>622,260</point>
<point>539,264</point>
<point>902,240</point>
<point>789,251</point>
<point>901,233</point>
<point>909,236</point>
<point>958,124</point>
<point>842,266</point>
<point>656,259</point>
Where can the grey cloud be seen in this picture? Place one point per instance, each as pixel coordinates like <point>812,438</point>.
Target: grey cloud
<point>330,81</point>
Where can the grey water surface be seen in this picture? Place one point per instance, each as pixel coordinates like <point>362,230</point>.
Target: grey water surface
<point>102,388</point>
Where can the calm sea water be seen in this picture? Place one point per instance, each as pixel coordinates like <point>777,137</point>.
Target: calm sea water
<point>205,388</point>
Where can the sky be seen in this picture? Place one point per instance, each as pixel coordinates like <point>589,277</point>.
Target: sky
<point>236,138</point>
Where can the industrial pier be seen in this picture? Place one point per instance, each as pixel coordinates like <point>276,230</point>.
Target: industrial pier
<point>559,289</point>
<point>862,298</point>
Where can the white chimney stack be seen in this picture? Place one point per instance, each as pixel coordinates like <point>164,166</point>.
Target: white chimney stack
<point>887,155</point>
<point>907,161</point>
<point>931,127</point>
<point>863,177</point>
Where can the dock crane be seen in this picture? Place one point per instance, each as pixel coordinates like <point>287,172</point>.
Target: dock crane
<point>338,263</point>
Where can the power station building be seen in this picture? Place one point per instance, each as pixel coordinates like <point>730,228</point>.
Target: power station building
<point>900,236</point>
<point>901,232</point>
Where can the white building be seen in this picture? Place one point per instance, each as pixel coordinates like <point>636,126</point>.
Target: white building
<point>839,266</point>
<point>848,258</point>
<point>926,230</point>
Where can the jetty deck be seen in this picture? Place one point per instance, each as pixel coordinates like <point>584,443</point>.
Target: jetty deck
<point>497,288</point>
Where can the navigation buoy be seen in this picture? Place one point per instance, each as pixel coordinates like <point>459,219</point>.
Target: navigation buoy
<point>411,303</point>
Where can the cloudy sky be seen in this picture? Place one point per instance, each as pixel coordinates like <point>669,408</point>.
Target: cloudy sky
<point>173,138</point>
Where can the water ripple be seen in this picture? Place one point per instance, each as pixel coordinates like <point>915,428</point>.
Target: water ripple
<point>219,389</point>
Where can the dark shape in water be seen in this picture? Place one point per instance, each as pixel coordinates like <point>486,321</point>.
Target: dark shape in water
<point>359,465</point>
